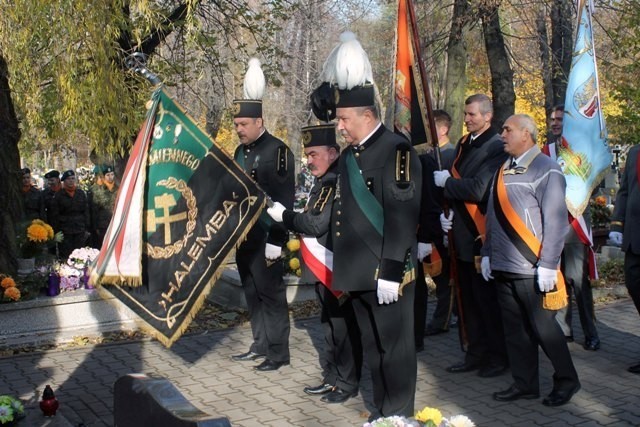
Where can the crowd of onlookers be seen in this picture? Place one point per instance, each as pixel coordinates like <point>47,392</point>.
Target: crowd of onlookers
<point>81,214</point>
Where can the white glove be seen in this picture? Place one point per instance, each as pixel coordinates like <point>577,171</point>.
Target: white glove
<point>424,250</point>
<point>441,177</point>
<point>387,291</point>
<point>272,252</point>
<point>446,222</point>
<point>616,237</point>
<point>485,267</point>
<point>547,279</point>
<point>276,211</point>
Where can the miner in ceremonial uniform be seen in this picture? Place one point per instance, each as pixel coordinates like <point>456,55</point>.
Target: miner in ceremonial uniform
<point>52,186</point>
<point>32,197</point>
<point>526,227</point>
<point>373,229</point>
<point>578,257</point>
<point>269,162</point>
<point>478,155</point>
<point>624,223</point>
<point>341,357</point>
<point>70,214</point>
<point>103,199</point>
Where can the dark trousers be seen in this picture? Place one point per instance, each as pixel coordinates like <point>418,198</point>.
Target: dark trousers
<point>482,319</point>
<point>341,356</point>
<point>632,277</point>
<point>527,325</point>
<point>575,267</point>
<point>389,350</point>
<point>444,298</point>
<point>266,297</point>
<point>421,298</point>
<point>71,242</point>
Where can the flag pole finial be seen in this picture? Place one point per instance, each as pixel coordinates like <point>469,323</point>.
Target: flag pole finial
<point>137,62</point>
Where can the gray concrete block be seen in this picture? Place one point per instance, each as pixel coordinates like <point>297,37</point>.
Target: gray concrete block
<point>611,252</point>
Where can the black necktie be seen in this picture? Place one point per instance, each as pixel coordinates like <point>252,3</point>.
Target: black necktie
<point>513,164</point>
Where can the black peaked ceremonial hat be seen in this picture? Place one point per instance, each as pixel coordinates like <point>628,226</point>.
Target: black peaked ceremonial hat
<point>357,96</point>
<point>319,135</point>
<point>52,174</point>
<point>67,174</point>
<point>253,91</point>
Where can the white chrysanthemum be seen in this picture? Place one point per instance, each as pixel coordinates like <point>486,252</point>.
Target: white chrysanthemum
<point>460,421</point>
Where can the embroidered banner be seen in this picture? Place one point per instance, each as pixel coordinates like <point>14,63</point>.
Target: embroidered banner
<point>583,155</point>
<point>183,207</point>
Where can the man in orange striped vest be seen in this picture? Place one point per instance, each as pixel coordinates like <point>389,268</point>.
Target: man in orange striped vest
<point>526,227</point>
<point>478,155</point>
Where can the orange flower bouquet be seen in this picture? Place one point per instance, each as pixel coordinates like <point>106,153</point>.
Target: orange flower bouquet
<point>10,291</point>
<point>35,237</point>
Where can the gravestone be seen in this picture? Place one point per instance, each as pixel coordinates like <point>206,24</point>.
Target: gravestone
<point>143,401</point>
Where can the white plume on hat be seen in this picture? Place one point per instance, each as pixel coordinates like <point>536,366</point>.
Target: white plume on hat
<point>348,64</point>
<point>254,82</point>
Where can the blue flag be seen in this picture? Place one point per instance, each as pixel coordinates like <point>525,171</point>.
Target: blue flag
<point>583,154</point>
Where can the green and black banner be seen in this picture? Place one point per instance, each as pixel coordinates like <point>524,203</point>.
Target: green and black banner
<point>183,207</point>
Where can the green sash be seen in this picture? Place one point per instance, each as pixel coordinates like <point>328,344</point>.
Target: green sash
<point>366,201</point>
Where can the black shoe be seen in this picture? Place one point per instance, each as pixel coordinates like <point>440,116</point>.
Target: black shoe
<point>560,397</point>
<point>569,338</point>
<point>514,393</point>
<point>635,369</point>
<point>244,357</point>
<point>492,370</point>
<point>338,395</point>
<point>434,331</point>
<point>323,388</point>
<point>463,367</point>
<point>270,365</point>
<point>592,344</point>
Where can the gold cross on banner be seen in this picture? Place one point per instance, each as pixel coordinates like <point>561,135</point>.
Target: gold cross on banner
<point>165,202</point>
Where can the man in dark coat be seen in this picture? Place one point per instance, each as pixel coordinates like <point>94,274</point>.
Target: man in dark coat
<point>52,186</point>
<point>269,162</point>
<point>441,317</point>
<point>624,223</point>
<point>341,357</point>
<point>478,156</point>
<point>32,198</point>
<point>70,214</point>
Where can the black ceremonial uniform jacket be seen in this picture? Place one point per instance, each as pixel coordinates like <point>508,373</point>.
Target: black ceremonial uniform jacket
<point>316,218</point>
<point>626,214</point>
<point>33,204</point>
<point>391,170</point>
<point>47,199</point>
<point>70,214</point>
<point>269,162</point>
<point>477,163</point>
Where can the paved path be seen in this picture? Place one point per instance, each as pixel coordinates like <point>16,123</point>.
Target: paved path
<point>200,367</point>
